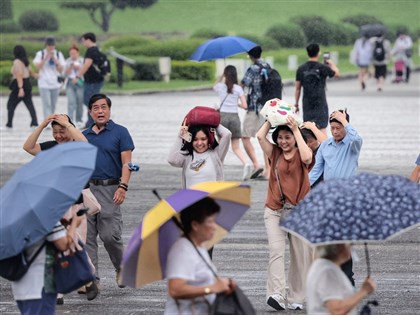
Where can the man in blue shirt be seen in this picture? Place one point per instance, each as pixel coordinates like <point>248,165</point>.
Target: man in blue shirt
<point>109,184</point>
<point>338,157</point>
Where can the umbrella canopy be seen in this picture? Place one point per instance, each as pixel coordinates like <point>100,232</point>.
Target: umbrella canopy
<point>222,47</point>
<point>364,208</point>
<point>144,259</point>
<point>40,192</point>
<point>372,30</point>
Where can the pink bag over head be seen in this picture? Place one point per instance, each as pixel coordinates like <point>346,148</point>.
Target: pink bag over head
<point>203,115</point>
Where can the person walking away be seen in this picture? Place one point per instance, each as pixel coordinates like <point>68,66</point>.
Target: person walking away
<point>229,94</point>
<point>381,56</point>
<point>403,50</point>
<point>20,87</point>
<point>328,289</point>
<point>338,157</point>
<point>94,81</point>
<point>109,184</point>
<point>290,161</point>
<point>253,121</point>
<point>363,49</point>
<point>50,63</point>
<point>74,87</point>
<point>311,76</point>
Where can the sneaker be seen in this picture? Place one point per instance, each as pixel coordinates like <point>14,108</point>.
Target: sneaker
<point>82,290</point>
<point>246,172</point>
<point>60,301</point>
<point>257,173</point>
<point>295,306</point>
<point>117,278</point>
<point>276,301</point>
<point>92,291</point>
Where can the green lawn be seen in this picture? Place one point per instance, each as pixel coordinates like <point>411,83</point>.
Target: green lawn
<point>232,16</point>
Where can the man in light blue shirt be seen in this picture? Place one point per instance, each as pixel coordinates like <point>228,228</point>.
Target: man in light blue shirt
<point>338,157</point>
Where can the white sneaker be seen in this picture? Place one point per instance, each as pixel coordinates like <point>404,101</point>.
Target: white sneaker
<point>276,301</point>
<point>295,306</point>
<point>246,172</point>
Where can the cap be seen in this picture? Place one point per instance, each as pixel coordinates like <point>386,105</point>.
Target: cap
<point>50,41</point>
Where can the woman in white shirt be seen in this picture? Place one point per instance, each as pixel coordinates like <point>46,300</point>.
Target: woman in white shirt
<point>231,97</point>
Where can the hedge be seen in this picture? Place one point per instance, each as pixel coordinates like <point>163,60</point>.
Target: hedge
<point>190,70</point>
<point>289,36</point>
<point>38,20</point>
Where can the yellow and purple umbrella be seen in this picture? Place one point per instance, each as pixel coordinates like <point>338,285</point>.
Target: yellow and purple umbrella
<point>144,259</point>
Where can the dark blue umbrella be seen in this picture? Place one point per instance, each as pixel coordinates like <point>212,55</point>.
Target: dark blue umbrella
<point>222,47</point>
<point>364,208</point>
<point>40,192</point>
<point>372,30</point>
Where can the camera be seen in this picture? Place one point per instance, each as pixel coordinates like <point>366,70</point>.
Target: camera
<point>327,56</point>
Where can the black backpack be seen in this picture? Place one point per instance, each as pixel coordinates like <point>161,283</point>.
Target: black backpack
<point>271,84</point>
<point>379,51</point>
<point>102,64</point>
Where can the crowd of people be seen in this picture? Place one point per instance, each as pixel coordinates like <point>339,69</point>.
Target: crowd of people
<point>296,158</point>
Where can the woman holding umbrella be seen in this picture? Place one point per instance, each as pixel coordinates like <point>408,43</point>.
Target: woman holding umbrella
<point>192,286</point>
<point>290,161</point>
<point>329,290</point>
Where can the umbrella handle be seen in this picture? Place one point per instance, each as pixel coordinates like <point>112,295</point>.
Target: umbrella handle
<point>367,259</point>
<point>155,192</point>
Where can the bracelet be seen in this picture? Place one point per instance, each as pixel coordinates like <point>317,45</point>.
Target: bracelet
<point>124,184</point>
<point>123,187</point>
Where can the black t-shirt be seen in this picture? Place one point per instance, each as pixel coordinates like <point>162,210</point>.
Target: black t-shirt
<point>92,75</point>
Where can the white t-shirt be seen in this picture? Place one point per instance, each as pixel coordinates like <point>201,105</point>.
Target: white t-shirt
<point>77,65</point>
<point>185,263</point>
<point>200,170</point>
<point>326,281</point>
<point>230,104</point>
<point>48,73</point>
<point>29,287</point>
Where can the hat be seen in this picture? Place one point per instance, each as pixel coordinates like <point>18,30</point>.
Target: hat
<point>50,41</point>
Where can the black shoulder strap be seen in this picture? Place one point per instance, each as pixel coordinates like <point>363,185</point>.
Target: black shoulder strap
<point>31,260</point>
<point>205,261</point>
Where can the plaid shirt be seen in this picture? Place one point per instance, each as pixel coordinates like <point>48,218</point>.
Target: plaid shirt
<point>252,80</point>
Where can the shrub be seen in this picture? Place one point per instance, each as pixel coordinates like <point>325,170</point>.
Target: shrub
<point>189,70</point>
<point>7,46</point>
<point>207,33</point>
<point>9,26</point>
<point>128,72</point>
<point>146,69</point>
<point>6,11</point>
<point>265,42</point>
<point>315,28</point>
<point>343,35</point>
<point>289,36</point>
<point>361,19</point>
<point>125,41</point>
<point>38,20</point>
<point>5,75</point>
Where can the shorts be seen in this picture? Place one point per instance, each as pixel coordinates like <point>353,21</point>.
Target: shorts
<point>380,71</point>
<point>232,122</point>
<point>252,124</point>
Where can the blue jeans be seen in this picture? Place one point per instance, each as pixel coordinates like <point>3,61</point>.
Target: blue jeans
<point>74,101</point>
<point>89,90</point>
<point>49,99</point>
<point>43,306</point>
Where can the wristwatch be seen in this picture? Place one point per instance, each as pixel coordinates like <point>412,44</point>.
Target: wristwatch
<point>207,290</point>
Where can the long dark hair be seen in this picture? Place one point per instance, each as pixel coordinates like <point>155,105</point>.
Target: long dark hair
<point>231,77</point>
<point>188,146</point>
<point>20,53</point>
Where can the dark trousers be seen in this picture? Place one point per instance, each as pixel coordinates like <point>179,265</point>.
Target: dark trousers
<point>14,101</point>
<point>347,268</point>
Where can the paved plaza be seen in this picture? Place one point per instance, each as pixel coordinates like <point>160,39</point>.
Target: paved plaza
<point>388,121</point>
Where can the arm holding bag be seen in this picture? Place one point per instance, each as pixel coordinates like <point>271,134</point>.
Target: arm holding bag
<point>203,115</point>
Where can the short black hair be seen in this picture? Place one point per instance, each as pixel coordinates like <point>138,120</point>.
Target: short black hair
<point>342,111</point>
<point>276,131</point>
<point>198,212</point>
<point>307,134</point>
<point>312,49</point>
<point>54,123</point>
<point>90,36</point>
<point>255,52</point>
<point>97,97</point>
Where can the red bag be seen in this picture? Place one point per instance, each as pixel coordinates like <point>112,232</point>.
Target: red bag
<point>203,115</point>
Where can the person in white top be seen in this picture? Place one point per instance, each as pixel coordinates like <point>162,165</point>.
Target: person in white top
<point>328,289</point>
<point>50,63</point>
<point>231,97</point>
<point>403,50</point>
<point>363,48</point>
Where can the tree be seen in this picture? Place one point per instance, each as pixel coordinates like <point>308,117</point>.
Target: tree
<point>100,11</point>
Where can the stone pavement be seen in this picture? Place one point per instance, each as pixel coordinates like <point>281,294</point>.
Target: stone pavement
<point>388,122</point>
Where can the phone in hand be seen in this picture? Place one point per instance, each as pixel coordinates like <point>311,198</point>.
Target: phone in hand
<point>82,212</point>
<point>187,136</point>
<point>327,56</point>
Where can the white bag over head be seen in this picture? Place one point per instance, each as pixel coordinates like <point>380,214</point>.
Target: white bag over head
<point>276,111</point>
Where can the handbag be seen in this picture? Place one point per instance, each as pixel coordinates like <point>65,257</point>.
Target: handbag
<point>276,112</point>
<point>90,202</point>
<point>235,303</point>
<point>203,115</point>
<point>72,271</point>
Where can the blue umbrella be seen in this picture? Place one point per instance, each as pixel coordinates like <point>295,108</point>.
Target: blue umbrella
<point>222,47</point>
<point>40,192</point>
<point>361,209</point>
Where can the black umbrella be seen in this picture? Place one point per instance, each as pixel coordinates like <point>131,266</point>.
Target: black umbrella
<point>372,30</point>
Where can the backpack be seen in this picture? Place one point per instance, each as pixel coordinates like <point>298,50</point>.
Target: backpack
<point>271,84</point>
<point>15,267</point>
<point>102,64</point>
<point>379,51</point>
